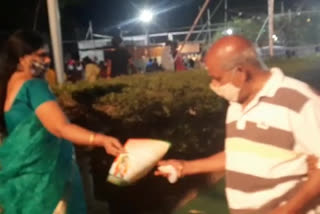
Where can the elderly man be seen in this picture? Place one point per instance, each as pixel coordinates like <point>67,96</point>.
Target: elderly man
<point>272,126</point>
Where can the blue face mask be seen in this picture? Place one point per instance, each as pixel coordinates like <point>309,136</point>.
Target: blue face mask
<point>38,69</point>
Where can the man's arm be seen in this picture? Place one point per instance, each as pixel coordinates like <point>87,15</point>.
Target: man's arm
<point>309,191</point>
<point>214,163</point>
<point>306,129</point>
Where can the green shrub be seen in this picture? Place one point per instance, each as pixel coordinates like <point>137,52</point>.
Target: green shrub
<point>178,107</point>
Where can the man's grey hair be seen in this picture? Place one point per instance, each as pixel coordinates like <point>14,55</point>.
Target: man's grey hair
<point>248,56</point>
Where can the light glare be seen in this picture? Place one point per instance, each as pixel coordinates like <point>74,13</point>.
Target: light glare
<point>229,31</point>
<point>146,16</point>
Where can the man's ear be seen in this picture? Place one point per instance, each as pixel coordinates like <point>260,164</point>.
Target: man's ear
<point>243,76</point>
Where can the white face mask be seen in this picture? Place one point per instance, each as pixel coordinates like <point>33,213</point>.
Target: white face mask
<point>227,91</point>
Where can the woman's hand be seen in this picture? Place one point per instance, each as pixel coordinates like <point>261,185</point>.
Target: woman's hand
<point>111,145</point>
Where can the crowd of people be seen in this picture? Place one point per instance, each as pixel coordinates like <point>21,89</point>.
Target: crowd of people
<point>118,61</point>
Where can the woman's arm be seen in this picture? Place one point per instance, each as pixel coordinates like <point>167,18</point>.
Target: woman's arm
<point>55,121</point>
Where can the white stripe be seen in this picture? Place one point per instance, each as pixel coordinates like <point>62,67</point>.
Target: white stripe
<point>272,115</point>
<point>265,168</point>
<point>247,157</point>
<point>241,200</point>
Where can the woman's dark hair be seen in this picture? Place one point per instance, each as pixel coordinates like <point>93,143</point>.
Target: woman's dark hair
<point>19,44</point>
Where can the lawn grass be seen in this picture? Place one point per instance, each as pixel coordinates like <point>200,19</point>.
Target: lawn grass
<point>294,66</point>
<point>209,201</point>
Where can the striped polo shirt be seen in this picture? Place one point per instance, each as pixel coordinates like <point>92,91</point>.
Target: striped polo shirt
<point>267,144</point>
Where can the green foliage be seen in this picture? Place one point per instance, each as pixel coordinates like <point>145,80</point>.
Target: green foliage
<point>248,28</point>
<point>178,107</point>
<point>295,66</point>
<point>298,29</point>
<point>292,29</point>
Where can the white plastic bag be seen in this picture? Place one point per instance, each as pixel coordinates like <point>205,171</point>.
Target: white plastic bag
<point>141,157</point>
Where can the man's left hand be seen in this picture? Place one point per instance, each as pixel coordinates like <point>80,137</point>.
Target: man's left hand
<point>283,210</point>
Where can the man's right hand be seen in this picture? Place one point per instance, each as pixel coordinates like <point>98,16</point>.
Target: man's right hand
<point>178,165</point>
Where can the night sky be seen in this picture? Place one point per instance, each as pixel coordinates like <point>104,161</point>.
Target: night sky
<point>106,14</point>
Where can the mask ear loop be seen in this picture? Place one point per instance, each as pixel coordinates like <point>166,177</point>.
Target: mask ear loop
<point>233,70</point>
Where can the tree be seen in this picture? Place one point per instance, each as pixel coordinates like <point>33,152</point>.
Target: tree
<point>248,28</point>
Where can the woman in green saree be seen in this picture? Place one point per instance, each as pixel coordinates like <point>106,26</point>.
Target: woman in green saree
<point>38,173</point>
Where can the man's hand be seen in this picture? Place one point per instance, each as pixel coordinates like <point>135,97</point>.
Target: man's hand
<point>308,191</point>
<point>178,165</point>
<point>212,164</point>
<point>283,210</point>
<point>312,162</point>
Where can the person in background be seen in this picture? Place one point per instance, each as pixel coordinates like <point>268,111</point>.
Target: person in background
<point>155,65</point>
<point>119,59</point>
<point>79,70</point>
<point>103,70</point>
<point>272,127</point>
<point>38,169</point>
<point>95,60</point>
<point>92,70</point>
<point>179,62</point>
<point>70,69</point>
<point>167,60</point>
<point>149,67</point>
<point>191,63</point>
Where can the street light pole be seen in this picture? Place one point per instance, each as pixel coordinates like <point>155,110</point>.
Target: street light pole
<point>225,12</point>
<point>147,40</point>
<point>56,38</point>
<point>209,26</point>
<point>271,26</point>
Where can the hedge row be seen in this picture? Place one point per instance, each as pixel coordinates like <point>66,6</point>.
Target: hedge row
<point>177,107</point>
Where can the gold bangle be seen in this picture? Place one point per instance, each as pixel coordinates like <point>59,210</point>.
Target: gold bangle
<point>92,138</point>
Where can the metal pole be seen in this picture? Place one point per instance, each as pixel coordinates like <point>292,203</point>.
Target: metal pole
<point>209,26</point>
<point>290,15</point>
<point>271,26</point>
<point>91,30</point>
<point>205,5</point>
<point>201,19</point>
<point>225,12</point>
<point>55,31</point>
<point>212,14</point>
<point>36,16</point>
<point>261,29</point>
<point>282,7</point>
<point>147,36</point>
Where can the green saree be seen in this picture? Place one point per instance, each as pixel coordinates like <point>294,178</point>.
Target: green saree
<point>37,169</point>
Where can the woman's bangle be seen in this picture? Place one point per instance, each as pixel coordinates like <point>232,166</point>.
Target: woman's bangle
<point>92,138</point>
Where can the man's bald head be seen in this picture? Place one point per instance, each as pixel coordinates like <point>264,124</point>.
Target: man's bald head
<point>231,51</point>
<point>235,68</point>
